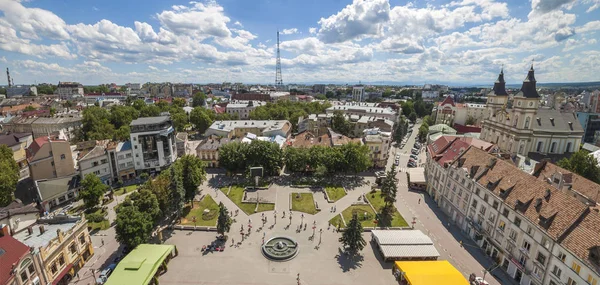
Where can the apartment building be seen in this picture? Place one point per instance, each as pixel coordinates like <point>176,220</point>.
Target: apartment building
<point>95,160</point>
<point>319,123</point>
<point>378,143</point>
<point>208,150</point>
<point>50,158</point>
<point>68,90</point>
<point>242,108</point>
<point>182,90</point>
<point>239,129</point>
<point>307,139</point>
<point>362,109</point>
<point>536,233</point>
<point>18,143</point>
<point>153,143</point>
<point>18,266</point>
<point>358,93</point>
<point>448,112</point>
<point>55,192</point>
<point>44,126</point>
<point>62,246</point>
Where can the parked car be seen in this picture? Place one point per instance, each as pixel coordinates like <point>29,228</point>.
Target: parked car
<point>415,151</point>
<point>411,164</point>
<point>397,162</point>
<point>104,274</point>
<point>414,157</point>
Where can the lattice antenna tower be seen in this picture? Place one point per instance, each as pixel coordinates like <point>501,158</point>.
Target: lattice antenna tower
<point>8,77</point>
<point>278,80</point>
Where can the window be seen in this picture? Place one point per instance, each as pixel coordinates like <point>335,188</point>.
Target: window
<point>61,260</point>
<point>52,163</point>
<point>513,235</point>
<point>505,212</point>
<point>82,239</point>
<point>568,148</point>
<point>576,267</point>
<point>556,271</point>
<point>545,242</point>
<point>562,256</point>
<point>73,248</point>
<point>526,245</point>
<point>541,258</point>
<point>31,269</point>
<point>517,221</point>
<point>552,147</point>
<point>571,282</point>
<point>495,205</point>
<point>482,210</point>
<point>501,226</point>
<point>592,280</point>
<point>53,268</point>
<point>62,156</point>
<point>529,230</point>
<point>539,147</point>
<point>474,204</point>
<point>485,197</point>
<point>477,192</point>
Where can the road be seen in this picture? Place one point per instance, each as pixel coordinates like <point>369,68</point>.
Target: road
<point>432,221</point>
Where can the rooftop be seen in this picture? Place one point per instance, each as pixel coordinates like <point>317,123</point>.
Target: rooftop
<point>430,272</point>
<point>41,239</point>
<point>11,252</point>
<point>212,143</point>
<point>364,109</point>
<point>140,265</point>
<point>12,139</point>
<point>266,125</point>
<point>150,120</point>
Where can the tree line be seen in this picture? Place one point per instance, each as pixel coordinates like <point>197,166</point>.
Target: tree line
<point>351,157</point>
<point>238,157</point>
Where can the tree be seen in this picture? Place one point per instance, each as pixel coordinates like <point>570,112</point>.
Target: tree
<point>161,189</point>
<point>200,118</point>
<point>149,111</point>
<point>401,130</point>
<point>9,175</point>
<point>193,173</point>
<point>389,188</point>
<point>321,171</point>
<point>321,97</point>
<point>180,120</point>
<point>238,157</point>
<point>339,123</point>
<point>2,90</point>
<point>92,189</point>
<point>583,164</point>
<point>146,202</point>
<point>428,120</point>
<point>198,100</point>
<point>352,239</point>
<point>178,102</point>
<point>133,227</point>
<point>96,124</point>
<point>177,191</point>
<point>407,108</point>
<point>29,108</point>
<point>470,121</point>
<point>329,94</point>
<point>423,132</point>
<point>412,117</point>
<point>224,220</point>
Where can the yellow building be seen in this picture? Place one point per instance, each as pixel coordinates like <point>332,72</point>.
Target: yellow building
<point>428,273</point>
<point>61,244</point>
<point>18,142</point>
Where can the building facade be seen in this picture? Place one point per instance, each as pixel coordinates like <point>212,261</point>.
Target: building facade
<point>153,143</point>
<point>362,109</point>
<point>448,112</point>
<point>68,90</point>
<point>378,143</point>
<point>520,126</point>
<point>358,93</point>
<point>18,266</point>
<point>18,143</point>
<point>242,108</point>
<point>208,150</point>
<point>50,158</point>
<point>239,129</point>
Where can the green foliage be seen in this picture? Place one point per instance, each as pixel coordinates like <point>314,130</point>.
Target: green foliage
<point>96,89</point>
<point>329,94</point>
<point>46,89</point>
<point>29,108</point>
<point>224,220</point>
<point>92,190</point>
<point>321,97</point>
<point>239,157</point>
<point>177,191</point>
<point>287,110</point>
<point>389,188</point>
<point>2,90</point>
<point>340,124</point>
<point>412,117</point>
<point>161,189</point>
<point>180,120</point>
<point>352,238</point>
<point>9,175</point>
<point>146,202</point>
<point>428,120</point>
<point>178,102</point>
<point>200,117</point>
<point>423,131</point>
<point>401,129</point>
<point>133,226</point>
<point>100,124</point>
<point>583,164</point>
<point>95,217</point>
<point>149,111</point>
<point>388,93</point>
<point>198,100</point>
<point>193,173</point>
<point>407,108</point>
<point>470,121</point>
<point>349,157</point>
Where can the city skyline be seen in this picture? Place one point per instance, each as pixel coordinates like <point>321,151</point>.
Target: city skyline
<point>460,42</point>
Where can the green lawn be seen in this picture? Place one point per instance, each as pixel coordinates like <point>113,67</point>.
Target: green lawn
<point>305,203</point>
<point>360,211</point>
<point>101,225</point>
<point>209,219</point>
<point>337,220</point>
<point>335,192</point>
<point>377,201</point>
<point>126,189</point>
<point>237,194</point>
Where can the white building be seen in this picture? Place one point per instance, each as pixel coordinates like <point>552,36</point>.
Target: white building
<point>134,89</point>
<point>68,90</point>
<point>519,125</point>
<point>242,108</point>
<point>448,112</point>
<point>358,93</point>
<point>362,109</point>
<point>121,160</point>
<point>153,142</point>
<point>239,129</point>
<point>96,161</point>
<point>378,143</point>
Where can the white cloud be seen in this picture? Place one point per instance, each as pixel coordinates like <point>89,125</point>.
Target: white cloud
<point>545,6</point>
<point>360,18</point>
<point>153,68</point>
<point>33,23</point>
<point>3,59</point>
<point>201,20</point>
<point>289,31</point>
<point>312,31</point>
<point>594,4</point>
<point>237,23</point>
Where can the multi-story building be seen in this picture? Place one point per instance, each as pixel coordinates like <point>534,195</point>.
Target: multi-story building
<point>121,160</point>
<point>358,93</point>
<point>18,142</point>
<point>378,143</point>
<point>450,113</point>
<point>61,244</point>
<point>315,123</point>
<point>50,158</point>
<point>21,90</point>
<point>68,90</point>
<point>95,160</point>
<point>329,139</point>
<point>264,97</point>
<point>239,129</point>
<point>54,192</point>
<point>319,123</point>
<point>42,126</point>
<point>153,142</point>
<point>18,216</point>
<point>134,89</point>
<point>18,266</point>
<point>208,150</point>
<point>319,89</point>
<point>182,90</point>
<point>536,233</point>
<point>519,125</point>
<point>242,108</point>
<point>362,109</point>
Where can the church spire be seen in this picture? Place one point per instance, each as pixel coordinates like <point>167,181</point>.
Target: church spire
<point>529,88</point>
<point>500,85</point>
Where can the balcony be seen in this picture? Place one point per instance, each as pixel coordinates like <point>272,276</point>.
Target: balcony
<point>524,251</point>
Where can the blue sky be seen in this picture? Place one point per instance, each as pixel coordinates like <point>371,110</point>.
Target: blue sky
<point>460,42</point>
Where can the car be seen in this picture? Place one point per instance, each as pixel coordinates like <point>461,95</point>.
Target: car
<point>412,160</point>
<point>414,156</point>
<point>411,165</point>
<point>414,151</point>
<point>397,156</point>
<point>417,145</point>
<point>104,274</point>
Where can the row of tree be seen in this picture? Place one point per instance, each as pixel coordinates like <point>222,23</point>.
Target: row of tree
<point>351,157</point>
<point>238,157</point>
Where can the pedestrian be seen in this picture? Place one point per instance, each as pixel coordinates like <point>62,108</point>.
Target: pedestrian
<point>461,245</point>
<point>419,201</point>
<point>232,241</point>
<point>241,228</point>
<point>102,242</point>
<point>265,220</point>
<point>283,215</point>
<point>263,214</point>
<point>249,221</point>
<point>314,223</point>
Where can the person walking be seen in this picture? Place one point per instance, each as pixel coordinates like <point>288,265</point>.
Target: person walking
<point>419,201</point>
<point>102,242</point>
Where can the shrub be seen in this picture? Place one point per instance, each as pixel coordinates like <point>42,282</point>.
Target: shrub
<point>95,217</point>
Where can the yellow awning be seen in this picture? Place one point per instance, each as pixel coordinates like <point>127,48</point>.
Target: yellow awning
<point>430,272</point>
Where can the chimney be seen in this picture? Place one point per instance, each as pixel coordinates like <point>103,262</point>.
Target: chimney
<point>59,234</point>
<point>42,230</point>
<point>4,231</point>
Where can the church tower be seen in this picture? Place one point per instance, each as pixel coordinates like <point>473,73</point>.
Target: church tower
<point>498,98</point>
<point>526,102</point>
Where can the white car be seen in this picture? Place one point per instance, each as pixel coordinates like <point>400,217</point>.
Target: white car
<point>480,281</point>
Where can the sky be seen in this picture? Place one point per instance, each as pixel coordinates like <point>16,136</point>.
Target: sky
<point>321,41</point>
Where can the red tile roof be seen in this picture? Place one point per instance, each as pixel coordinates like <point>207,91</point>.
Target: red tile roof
<point>461,129</point>
<point>448,100</point>
<point>13,250</point>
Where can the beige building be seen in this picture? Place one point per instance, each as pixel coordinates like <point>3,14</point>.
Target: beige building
<point>62,244</point>
<point>378,143</point>
<point>239,129</point>
<point>208,150</point>
<point>450,113</point>
<point>242,108</point>
<point>50,158</point>
<point>18,143</point>
<point>519,125</point>
<point>18,266</point>
<point>364,109</point>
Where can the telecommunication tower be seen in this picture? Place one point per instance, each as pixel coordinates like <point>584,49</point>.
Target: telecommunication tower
<point>278,80</point>
<point>8,77</point>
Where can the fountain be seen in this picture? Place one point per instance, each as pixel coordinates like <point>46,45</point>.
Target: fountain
<point>280,248</point>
